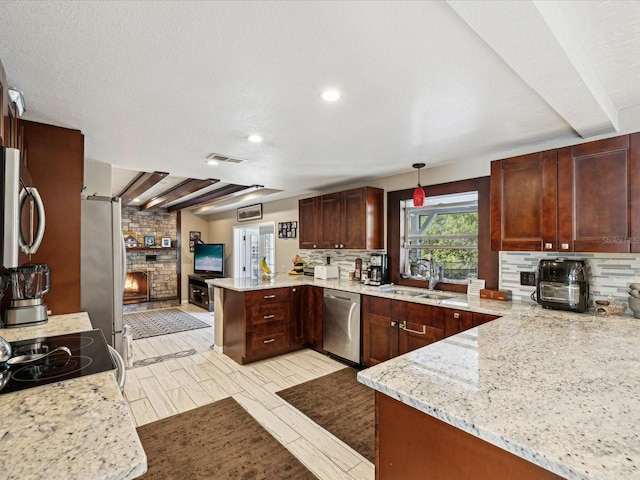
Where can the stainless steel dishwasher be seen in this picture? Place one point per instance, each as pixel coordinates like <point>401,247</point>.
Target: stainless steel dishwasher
<point>341,324</point>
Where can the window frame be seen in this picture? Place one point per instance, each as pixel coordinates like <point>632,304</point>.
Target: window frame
<point>487,259</point>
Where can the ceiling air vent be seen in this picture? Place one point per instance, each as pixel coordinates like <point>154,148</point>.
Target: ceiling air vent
<point>224,158</point>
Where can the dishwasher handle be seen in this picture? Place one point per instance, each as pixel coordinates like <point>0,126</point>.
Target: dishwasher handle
<point>336,297</point>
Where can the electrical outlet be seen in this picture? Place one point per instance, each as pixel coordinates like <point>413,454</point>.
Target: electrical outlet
<point>528,278</point>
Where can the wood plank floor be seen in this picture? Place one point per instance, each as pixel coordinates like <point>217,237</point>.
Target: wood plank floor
<point>179,383</point>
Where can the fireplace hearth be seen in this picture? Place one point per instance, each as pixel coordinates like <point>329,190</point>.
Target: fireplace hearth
<point>136,287</point>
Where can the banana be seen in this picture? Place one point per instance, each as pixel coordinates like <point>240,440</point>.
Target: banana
<point>264,267</point>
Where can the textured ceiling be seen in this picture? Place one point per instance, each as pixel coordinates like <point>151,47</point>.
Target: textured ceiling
<point>157,86</point>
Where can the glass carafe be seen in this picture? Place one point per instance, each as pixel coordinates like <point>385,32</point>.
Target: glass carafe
<point>30,281</point>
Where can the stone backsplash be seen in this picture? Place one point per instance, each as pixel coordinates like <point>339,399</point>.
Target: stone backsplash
<point>162,264</point>
<point>345,259</point>
<point>609,273</point>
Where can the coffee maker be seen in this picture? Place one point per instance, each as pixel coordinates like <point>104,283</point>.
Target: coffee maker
<point>29,284</point>
<point>379,270</point>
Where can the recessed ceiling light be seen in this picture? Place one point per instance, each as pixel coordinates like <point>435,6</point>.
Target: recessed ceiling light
<point>330,95</point>
<point>213,163</point>
<point>255,138</point>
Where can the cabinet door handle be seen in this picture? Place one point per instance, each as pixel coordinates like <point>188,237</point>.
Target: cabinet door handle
<point>337,246</point>
<point>341,245</point>
<point>423,332</point>
<point>269,341</point>
<point>393,324</point>
<point>268,316</point>
<point>267,297</point>
<point>548,246</point>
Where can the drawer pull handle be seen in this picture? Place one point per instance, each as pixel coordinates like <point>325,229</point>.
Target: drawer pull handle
<point>268,316</point>
<point>456,315</point>
<point>269,341</point>
<point>423,332</point>
<point>266,297</point>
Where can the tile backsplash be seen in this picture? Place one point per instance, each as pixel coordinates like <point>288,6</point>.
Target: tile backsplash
<point>609,273</point>
<point>345,259</point>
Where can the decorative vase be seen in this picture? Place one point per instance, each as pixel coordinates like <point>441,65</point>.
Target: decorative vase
<point>634,305</point>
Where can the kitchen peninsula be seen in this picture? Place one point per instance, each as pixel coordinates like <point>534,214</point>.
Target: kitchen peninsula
<point>559,390</point>
<point>79,428</point>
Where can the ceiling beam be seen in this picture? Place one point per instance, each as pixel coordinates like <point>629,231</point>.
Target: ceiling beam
<point>143,182</point>
<point>210,196</point>
<point>181,190</point>
<point>534,39</point>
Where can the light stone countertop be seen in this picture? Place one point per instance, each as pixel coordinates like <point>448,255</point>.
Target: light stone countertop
<point>561,390</point>
<point>459,301</point>
<point>74,429</point>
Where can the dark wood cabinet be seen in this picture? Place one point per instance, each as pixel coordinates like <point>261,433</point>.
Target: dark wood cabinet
<point>54,157</point>
<point>350,219</point>
<point>379,331</point>
<point>309,222</point>
<point>394,327</point>
<point>599,195</point>
<point>263,323</point>
<point>418,325</point>
<point>480,318</point>
<point>199,292</point>
<point>410,443</point>
<point>299,302</point>
<point>456,321</point>
<point>524,202</point>
<point>313,318</point>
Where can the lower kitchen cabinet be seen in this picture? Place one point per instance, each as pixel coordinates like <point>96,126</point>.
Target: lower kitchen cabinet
<point>410,443</point>
<point>258,324</point>
<point>395,327</point>
<point>480,318</point>
<point>263,323</point>
<point>456,321</point>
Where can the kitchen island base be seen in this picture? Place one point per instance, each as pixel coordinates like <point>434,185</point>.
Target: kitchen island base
<point>413,445</point>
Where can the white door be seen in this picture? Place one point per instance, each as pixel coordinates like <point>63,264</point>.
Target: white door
<point>252,242</point>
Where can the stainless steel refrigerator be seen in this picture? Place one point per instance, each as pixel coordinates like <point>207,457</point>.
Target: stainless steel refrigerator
<point>103,267</point>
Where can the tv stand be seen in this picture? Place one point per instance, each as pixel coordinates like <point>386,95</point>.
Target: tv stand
<point>199,291</point>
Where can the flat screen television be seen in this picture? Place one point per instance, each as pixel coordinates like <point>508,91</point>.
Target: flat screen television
<point>208,259</point>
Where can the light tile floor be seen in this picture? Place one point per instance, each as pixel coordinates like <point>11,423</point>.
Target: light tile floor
<point>179,384</point>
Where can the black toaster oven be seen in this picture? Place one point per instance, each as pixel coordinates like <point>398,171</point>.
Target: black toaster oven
<point>562,284</point>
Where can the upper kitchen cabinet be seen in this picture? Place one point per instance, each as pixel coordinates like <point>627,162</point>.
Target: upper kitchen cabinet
<point>351,219</point>
<point>599,196</point>
<point>524,203</point>
<point>308,222</point>
<point>55,159</point>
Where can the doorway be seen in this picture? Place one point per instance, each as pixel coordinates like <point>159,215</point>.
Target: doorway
<point>251,243</point>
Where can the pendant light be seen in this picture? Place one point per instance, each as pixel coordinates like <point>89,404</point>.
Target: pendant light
<point>418,193</point>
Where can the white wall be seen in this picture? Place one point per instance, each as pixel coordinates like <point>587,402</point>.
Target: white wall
<point>97,179</point>
<point>189,222</point>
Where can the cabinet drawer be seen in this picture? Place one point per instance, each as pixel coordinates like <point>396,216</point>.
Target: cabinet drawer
<point>265,297</point>
<point>425,315</point>
<point>268,313</point>
<point>262,343</point>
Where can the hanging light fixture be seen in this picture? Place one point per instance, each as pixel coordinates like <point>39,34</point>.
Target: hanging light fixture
<point>418,193</point>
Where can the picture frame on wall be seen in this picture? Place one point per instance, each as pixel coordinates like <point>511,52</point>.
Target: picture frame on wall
<point>166,242</point>
<point>250,212</point>
<point>287,229</point>
<point>194,239</point>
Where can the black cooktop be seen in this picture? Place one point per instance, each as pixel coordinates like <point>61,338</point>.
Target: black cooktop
<point>89,355</point>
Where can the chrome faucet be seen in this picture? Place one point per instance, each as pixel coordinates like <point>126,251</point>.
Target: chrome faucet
<point>433,273</point>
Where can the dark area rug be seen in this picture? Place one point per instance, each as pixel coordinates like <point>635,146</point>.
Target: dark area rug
<point>161,322</point>
<point>216,441</point>
<point>341,405</point>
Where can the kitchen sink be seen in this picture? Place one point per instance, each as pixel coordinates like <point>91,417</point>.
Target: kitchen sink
<point>419,294</point>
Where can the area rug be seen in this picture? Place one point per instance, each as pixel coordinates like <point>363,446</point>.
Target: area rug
<point>161,322</point>
<point>341,405</point>
<point>217,441</point>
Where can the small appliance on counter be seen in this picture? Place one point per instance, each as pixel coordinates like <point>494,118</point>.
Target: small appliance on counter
<point>562,284</point>
<point>326,272</point>
<point>379,270</point>
<point>29,284</point>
